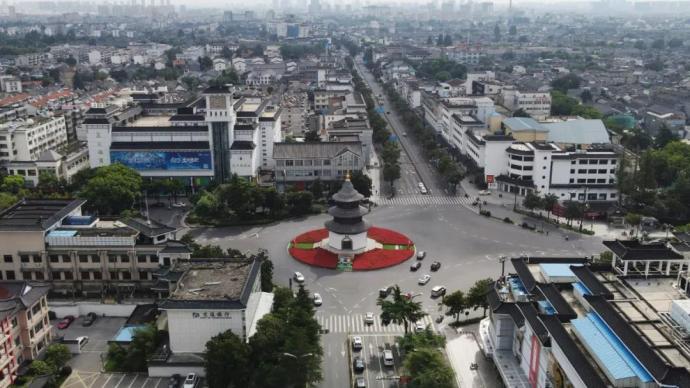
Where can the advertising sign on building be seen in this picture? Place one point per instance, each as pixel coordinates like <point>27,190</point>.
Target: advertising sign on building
<point>163,160</point>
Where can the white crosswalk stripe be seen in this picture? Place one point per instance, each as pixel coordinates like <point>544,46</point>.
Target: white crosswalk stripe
<point>424,200</point>
<point>355,324</point>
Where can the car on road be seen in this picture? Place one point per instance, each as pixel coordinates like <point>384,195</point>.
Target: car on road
<point>484,192</point>
<point>421,255</point>
<point>356,343</point>
<point>65,322</point>
<point>388,358</point>
<point>415,266</point>
<point>438,291</point>
<point>317,299</point>
<point>179,205</point>
<point>89,319</point>
<point>385,291</point>
<point>424,279</point>
<point>190,381</point>
<point>358,365</point>
<point>81,341</point>
<point>529,226</point>
<point>423,190</point>
<point>405,134</point>
<point>419,327</point>
<point>435,266</point>
<point>360,383</point>
<point>298,277</point>
<point>369,318</point>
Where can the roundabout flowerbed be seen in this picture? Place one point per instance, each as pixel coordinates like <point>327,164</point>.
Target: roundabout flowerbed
<point>396,248</point>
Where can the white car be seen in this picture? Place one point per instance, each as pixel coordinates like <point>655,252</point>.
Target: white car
<point>388,358</point>
<point>484,192</point>
<point>418,327</point>
<point>438,291</point>
<point>357,343</point>
<point>317,299</point>
<point>179,204</point>
<point>82,341</point>
<point>423,190</point>
<point>299,277</point>
<point>190,381</point>
<point>369,318</point>
<point>424,279</point>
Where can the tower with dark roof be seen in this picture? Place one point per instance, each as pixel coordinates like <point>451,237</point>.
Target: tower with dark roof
<point>347,231</point>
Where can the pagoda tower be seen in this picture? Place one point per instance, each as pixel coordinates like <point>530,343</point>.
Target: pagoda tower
<point>347,231</point>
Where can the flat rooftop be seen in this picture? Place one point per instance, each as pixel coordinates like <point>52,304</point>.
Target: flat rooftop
<point>151,121</point>
<point>36,214</point>
<point>216,280</point>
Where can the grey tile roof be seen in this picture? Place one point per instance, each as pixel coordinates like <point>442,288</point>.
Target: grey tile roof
<point>578,132</point>
<point>37,214</point>
<point>321,150</point>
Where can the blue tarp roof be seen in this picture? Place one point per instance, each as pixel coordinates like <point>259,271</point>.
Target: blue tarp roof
<point>608,349</point>
<point>62,233</point>
<point>556,270</point>
<point>126,333</point>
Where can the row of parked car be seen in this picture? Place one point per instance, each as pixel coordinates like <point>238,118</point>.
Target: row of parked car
<point>66,321</point>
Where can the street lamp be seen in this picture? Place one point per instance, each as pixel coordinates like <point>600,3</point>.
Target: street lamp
<point>502,260</point>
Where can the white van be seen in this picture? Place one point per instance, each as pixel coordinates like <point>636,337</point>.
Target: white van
<point>388,357</point>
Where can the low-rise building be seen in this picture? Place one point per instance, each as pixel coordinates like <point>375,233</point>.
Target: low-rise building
<point>52,241</point>
<point>302,163</point>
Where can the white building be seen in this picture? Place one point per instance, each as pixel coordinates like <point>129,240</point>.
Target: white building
<point>10,84</point>
<point>211,297</point>
<point>63,167</point>
<point>537,105</point>
<point>472,77</point>
<point>26,139</point>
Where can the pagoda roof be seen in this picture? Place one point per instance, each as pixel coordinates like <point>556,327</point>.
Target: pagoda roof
<point>341,212</point>
<point>347,193</point>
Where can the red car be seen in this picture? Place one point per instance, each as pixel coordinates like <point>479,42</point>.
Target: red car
<point>65,322</point>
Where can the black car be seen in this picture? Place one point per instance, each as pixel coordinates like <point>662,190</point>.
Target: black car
<point>415,266</point>
<point>435,266</point>
<point>89,319</point>
<point>358,365</point>
<point>174,381</point>
<point>385,291</point>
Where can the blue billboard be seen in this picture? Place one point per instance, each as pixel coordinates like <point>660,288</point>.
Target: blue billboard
<point>163,160</point>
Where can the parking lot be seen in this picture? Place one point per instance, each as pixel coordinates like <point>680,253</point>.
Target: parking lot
<point>103,330</point>
<point>376,374</point>
<point>81,379</point>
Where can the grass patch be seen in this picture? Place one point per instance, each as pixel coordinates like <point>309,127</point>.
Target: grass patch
<point>303,245</point>
<point>390,246</point>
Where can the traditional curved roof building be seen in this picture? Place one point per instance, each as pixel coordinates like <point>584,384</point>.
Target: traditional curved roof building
<point>347,231</point>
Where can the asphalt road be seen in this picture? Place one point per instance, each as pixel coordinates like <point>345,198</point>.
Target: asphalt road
<point>468,246</point>
<point>414,168</point>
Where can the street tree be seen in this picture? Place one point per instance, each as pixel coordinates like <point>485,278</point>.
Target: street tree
<point>57,355</point>
<point>316,188</point>
<point>476,296</point>
<point>391,173</point>
<point>532,201</point>
<point>548,202</point>
<point>456,304</point>
<point>400,309</point>
<point>428,369</point>
<point>572,211</point>
<point>266,275</point>
<point>634,220</point>
<point>362,183</point>
<point>221,351</point>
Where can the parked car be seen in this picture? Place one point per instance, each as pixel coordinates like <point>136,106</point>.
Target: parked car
<point>317,299</point>
<point>415,266</point>
<point>526,225</point>
<point>299,277</point>
<point>435,266</point>
<point>174,381</point>
<point>358,365</point>
<point>89,319</point>
<point>65,322</point>
<point>360,383</point>
<point>438,291</point>
<point>369,318</point>
<point>190,381</point>
<point>356,343</point>
<point>424,279</point>
<point>421,255</point>
<point>388,358</point>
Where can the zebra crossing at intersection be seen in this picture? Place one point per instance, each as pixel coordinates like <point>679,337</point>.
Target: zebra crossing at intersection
<point>425,200</point>
<point>354,323</point>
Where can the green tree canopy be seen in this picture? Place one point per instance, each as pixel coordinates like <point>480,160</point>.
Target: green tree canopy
<point>222,351</point>
<point>112,189</point>
<point>566,82</point>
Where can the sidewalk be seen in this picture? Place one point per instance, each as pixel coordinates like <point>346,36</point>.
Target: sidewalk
<point>464,350</point>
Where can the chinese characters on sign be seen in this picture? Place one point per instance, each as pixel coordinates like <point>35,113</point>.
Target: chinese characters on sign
<point>211,315</point>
